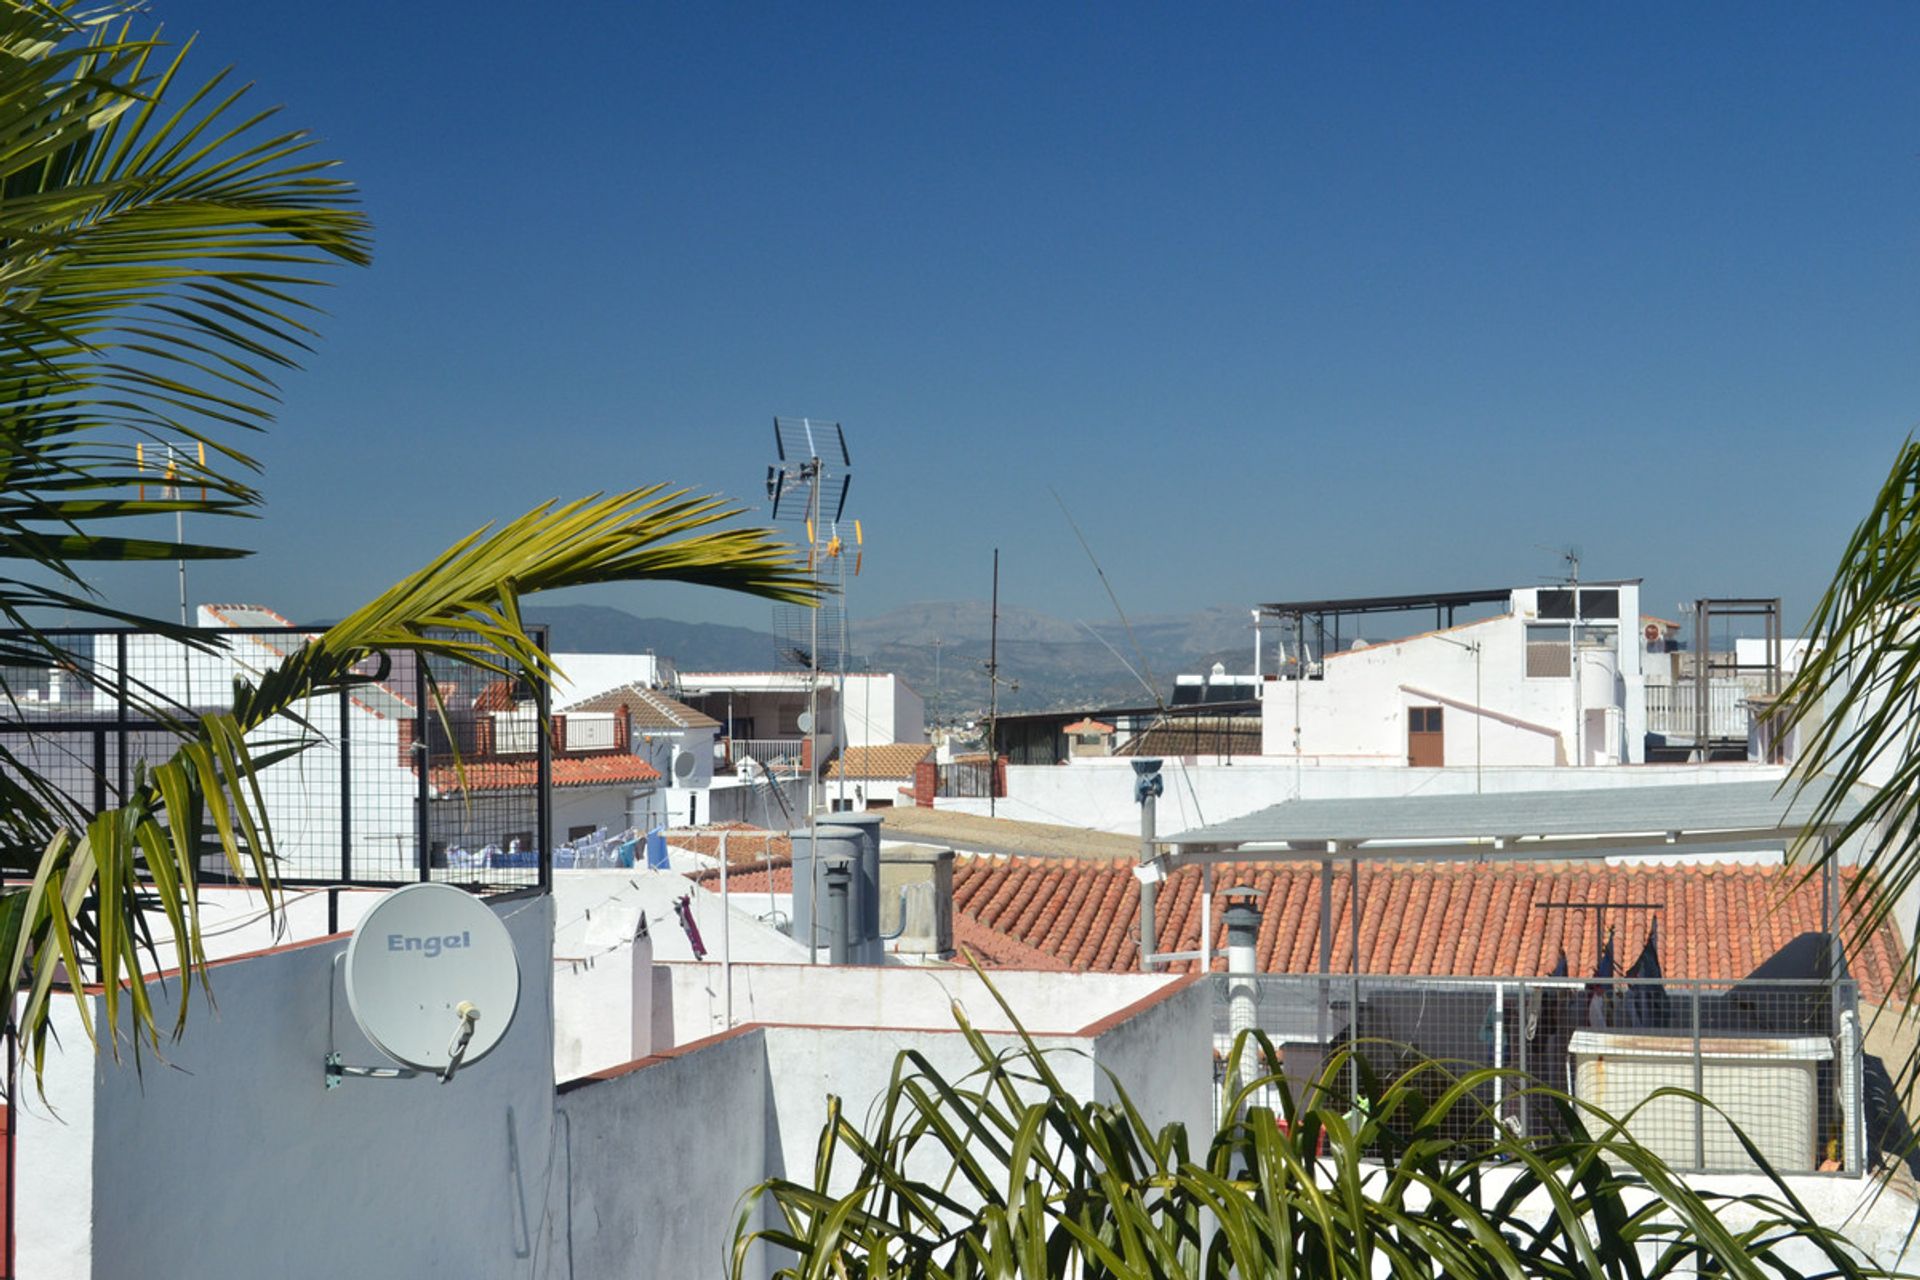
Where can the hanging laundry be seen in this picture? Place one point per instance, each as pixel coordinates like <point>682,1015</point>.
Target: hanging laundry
<point>1647,998</point>
<point>683,911</point>
<point>1599,990</point>
<point>657,849</point>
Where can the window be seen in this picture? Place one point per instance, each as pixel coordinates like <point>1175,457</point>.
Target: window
<point>1600,604</point>
<point>1558,603</point>
<point>1424,719</point>
<point>1554,602</point>
<point>1548,653</point>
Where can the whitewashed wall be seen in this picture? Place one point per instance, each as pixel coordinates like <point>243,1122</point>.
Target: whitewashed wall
<point>910,996</point>
<point>881,708</point>
<point>53,1179</point>
<point>235,1160</point>
<point>650,1165</point>
<point>583,675</point>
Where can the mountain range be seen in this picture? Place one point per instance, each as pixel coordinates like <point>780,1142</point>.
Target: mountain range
<point>942,648</point>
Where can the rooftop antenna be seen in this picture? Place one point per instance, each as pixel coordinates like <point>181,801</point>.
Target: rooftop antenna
<point>809,484</point>
<point>1571,554</point>
<point>170,490</point>
<point>431,979</point>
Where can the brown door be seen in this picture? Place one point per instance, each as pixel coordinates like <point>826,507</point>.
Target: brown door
<point>1426,740</point>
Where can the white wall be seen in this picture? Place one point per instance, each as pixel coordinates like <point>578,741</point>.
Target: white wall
<point>651,1163</point>
<point>53,1200</point>
<point>1494,713</point>
<point>881,708</point>
<point>235,1160</point>
<point>910,996</point>
<point>1161,1052</point>
<point>582,675</point>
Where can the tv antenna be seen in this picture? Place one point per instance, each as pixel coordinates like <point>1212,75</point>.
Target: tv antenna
<point>431,979</point>
<point>809,484</point>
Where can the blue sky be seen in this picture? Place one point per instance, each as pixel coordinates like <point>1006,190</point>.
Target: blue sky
<point>1284,301</point>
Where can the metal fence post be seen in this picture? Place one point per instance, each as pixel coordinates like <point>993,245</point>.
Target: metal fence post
<point>346,789</point>
<point>423,759</point>
<point>543,781</point>
<point>120,715</point>
<point>1699,1089</point>
<point>1526,1068</point>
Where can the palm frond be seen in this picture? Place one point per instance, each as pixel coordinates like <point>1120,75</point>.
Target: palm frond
<point>1041,1183</point>
<point>94,887</point>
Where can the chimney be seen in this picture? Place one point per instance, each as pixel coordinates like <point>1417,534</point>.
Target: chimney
<point>1243,964</point>
<point>839,918</point>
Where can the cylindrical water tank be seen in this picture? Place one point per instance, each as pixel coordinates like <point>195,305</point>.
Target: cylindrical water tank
<point>1599,673</point>
<point>865,901</point>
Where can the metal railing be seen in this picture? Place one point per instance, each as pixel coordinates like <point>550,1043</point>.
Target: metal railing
<point>372,792</point>
<point>1782,1059</point>
<point>1672,709</point>
<point>777,755</point>
<point>965,779</point>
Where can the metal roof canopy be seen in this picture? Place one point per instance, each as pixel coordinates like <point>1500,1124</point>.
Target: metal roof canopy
<point>1388,604</point>
<point>1524,826</point>
<point>1566,823</point>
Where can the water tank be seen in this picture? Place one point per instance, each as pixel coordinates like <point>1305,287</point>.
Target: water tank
<point>865,947</point>
<point>856,837</point>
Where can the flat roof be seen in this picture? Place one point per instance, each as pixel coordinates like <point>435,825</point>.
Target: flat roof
<point>1702,811</point>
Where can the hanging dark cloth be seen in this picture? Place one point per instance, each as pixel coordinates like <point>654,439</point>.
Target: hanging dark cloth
<point>683,911</point>
<point>1601,987</point>
<point>1647,997</point>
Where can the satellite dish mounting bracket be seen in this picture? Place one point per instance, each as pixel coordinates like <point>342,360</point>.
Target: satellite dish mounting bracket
<point>338,1070</point>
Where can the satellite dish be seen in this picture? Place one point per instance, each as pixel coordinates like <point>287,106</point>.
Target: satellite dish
<point>805,722</point>
<point>432,978</point>
<point>683,765</point>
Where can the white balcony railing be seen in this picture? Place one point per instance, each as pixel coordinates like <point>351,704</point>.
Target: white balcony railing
<point>590,731</point>
<point>1672,709</point>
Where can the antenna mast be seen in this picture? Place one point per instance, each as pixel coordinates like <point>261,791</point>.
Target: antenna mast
<point>993,690</point>
<point>807,452</point>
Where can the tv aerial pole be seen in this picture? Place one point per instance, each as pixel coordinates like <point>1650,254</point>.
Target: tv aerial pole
<point>812,456</point>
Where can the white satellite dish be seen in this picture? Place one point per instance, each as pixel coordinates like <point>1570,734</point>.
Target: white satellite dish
<point>682,765</point>
<point>432,978</point>
<point>805,721</point>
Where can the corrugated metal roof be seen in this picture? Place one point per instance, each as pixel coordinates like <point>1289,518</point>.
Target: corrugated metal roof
<point>1590,811</point>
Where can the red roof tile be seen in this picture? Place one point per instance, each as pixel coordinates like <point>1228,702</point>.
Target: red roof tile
<point>568,771</point>
<point>896,760</point>
<point>1719,921</point>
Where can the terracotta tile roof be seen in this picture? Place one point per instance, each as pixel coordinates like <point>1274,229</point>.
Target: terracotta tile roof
<point>892,760</point>
<point>747,846</point>
<point>568,771</point>
<point>1089,725</point>
<point>1720,920</point>
<point>650,708</point>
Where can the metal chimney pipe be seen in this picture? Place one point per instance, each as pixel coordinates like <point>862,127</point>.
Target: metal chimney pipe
<point>1146,789</point>
<point>1243,962</point>
<point>840,921</point>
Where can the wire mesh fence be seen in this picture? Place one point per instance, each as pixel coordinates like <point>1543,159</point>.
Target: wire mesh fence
<point>423,770</point>
<point>1779,1058</point>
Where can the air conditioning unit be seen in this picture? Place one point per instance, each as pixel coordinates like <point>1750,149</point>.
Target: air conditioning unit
<point>1768,1085</point>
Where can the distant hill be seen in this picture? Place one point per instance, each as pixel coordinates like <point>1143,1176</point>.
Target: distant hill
<point>696,646</point>
<point>941,649</point>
